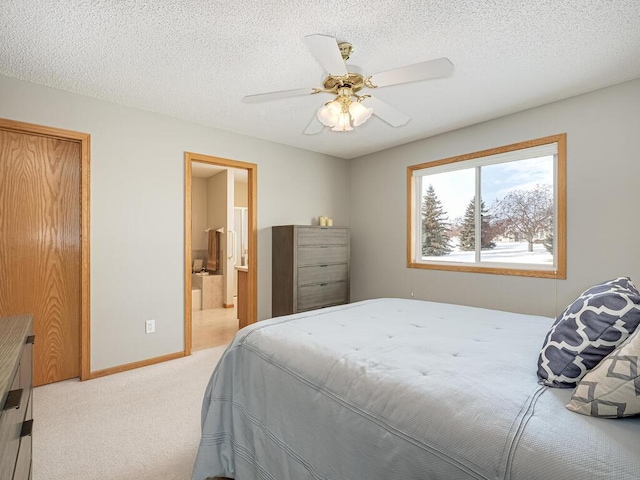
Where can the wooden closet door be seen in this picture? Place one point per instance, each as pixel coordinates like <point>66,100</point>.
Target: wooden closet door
<point>40,247</point>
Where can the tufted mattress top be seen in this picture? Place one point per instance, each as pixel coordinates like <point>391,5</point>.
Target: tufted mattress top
<point>393,388</point>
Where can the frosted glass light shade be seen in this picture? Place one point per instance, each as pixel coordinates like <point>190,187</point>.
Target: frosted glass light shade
<point>344,123</point>
<point>329,114</point>
<point>359,113</point>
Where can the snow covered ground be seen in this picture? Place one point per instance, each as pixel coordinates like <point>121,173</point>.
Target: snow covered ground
<point>512,252</point>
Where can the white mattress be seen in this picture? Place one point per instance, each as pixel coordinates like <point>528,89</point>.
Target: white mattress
<point>393,388</point>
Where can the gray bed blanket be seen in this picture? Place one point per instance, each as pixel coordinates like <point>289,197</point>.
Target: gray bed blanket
<point>405,389</point>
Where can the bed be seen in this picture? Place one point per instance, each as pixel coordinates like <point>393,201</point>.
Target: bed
<point>406,389</point>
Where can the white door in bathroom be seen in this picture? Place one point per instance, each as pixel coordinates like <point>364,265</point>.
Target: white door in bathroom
<point>240,222</point>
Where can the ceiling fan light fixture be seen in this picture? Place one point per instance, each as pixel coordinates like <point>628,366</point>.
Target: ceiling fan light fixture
<point>329,113</point>
<point>344,123</point>
<point>359,113</point>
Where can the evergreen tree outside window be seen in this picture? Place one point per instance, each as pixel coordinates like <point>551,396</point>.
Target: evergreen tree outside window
<point>436,229</point>
<point>468,231</point>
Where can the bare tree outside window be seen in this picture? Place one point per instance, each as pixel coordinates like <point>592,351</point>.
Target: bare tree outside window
<point>526,214</point>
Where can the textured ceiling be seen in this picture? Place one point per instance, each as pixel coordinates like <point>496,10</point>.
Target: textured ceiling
<point>195,60</point>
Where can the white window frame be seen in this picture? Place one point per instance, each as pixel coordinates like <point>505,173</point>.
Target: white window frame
<point>554,145</point>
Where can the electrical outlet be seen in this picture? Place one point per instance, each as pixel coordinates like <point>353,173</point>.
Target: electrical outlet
<point>150,326</point>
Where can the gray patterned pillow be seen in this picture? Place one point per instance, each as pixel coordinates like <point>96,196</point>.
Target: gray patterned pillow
<point>611,389</point>
<point>587,331</point>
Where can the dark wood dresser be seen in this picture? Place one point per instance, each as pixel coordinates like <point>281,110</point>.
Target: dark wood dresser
<point>310,268</point>
<point>16,421</point>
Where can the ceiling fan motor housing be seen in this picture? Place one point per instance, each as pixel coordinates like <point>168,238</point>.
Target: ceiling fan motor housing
<point>354,81</point>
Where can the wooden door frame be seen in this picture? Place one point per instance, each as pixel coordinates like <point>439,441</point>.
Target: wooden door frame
<point>252,220</point>
<point>84,139</point>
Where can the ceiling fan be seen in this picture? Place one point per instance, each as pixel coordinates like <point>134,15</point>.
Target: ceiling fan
<point>345,81</point>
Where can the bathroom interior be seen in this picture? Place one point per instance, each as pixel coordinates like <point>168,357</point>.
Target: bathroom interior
<point>219,229</point>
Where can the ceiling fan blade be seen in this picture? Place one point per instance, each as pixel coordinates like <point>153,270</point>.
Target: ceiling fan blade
<point>314,127</point>
<point>267,97</point>
<point>386,112</point>
<point>440,67</point>
<point>326,51</point>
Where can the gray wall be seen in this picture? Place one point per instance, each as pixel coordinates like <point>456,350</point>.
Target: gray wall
<point>217,196</point>
<point>137,209</point>
<point>240,194</point>
<point>137,202</point>
<point>603,175</point>
<point>199,220</point>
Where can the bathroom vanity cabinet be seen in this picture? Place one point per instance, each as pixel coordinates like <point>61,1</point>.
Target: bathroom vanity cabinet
<point>243,312</point>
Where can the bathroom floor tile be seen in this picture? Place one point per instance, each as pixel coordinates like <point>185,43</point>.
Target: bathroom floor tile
<point>214,327</point>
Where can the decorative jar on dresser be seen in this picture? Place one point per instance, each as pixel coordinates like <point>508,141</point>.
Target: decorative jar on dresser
<point>310,268</point>
<point>16,420</point>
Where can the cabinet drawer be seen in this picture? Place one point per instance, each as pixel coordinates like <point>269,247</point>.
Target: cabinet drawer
<point>315,296</point>
<point>323,236</point>
<point>322,255</point>
<point>322,274</point>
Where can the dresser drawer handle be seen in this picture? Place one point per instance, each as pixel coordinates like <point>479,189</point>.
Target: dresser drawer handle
<point>324,265</point>
<point>31,339</point>
<point>27,427</point>
<point>323,284</point>
<point>13,399</point>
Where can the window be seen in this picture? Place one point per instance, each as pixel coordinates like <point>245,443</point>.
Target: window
<point>497,211</point>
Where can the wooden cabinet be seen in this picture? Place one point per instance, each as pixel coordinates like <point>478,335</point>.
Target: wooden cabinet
<point>16,418</point>
<point>243,308</point>
<point>310,268</point>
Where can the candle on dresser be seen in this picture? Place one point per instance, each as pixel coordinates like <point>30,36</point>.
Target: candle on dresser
<point>329,222</point>
<point>323,221</point>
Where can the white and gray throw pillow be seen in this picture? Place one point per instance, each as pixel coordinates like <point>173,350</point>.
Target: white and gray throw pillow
<point>587,331</point>
<point>611,389</point>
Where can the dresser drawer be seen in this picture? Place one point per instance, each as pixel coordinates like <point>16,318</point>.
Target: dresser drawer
<point>10,427</point>
<point>15,389</point>
<point>26,371</point>
<point>315,296</point>
<point>23,462</point>
<point>322,274</point>
<point>322,255</point>
<point>323,236</point>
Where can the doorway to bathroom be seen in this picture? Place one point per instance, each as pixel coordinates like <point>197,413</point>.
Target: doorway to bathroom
<point>220,249</point>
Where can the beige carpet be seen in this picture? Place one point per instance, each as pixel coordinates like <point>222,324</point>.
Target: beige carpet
<point>141,424</point>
